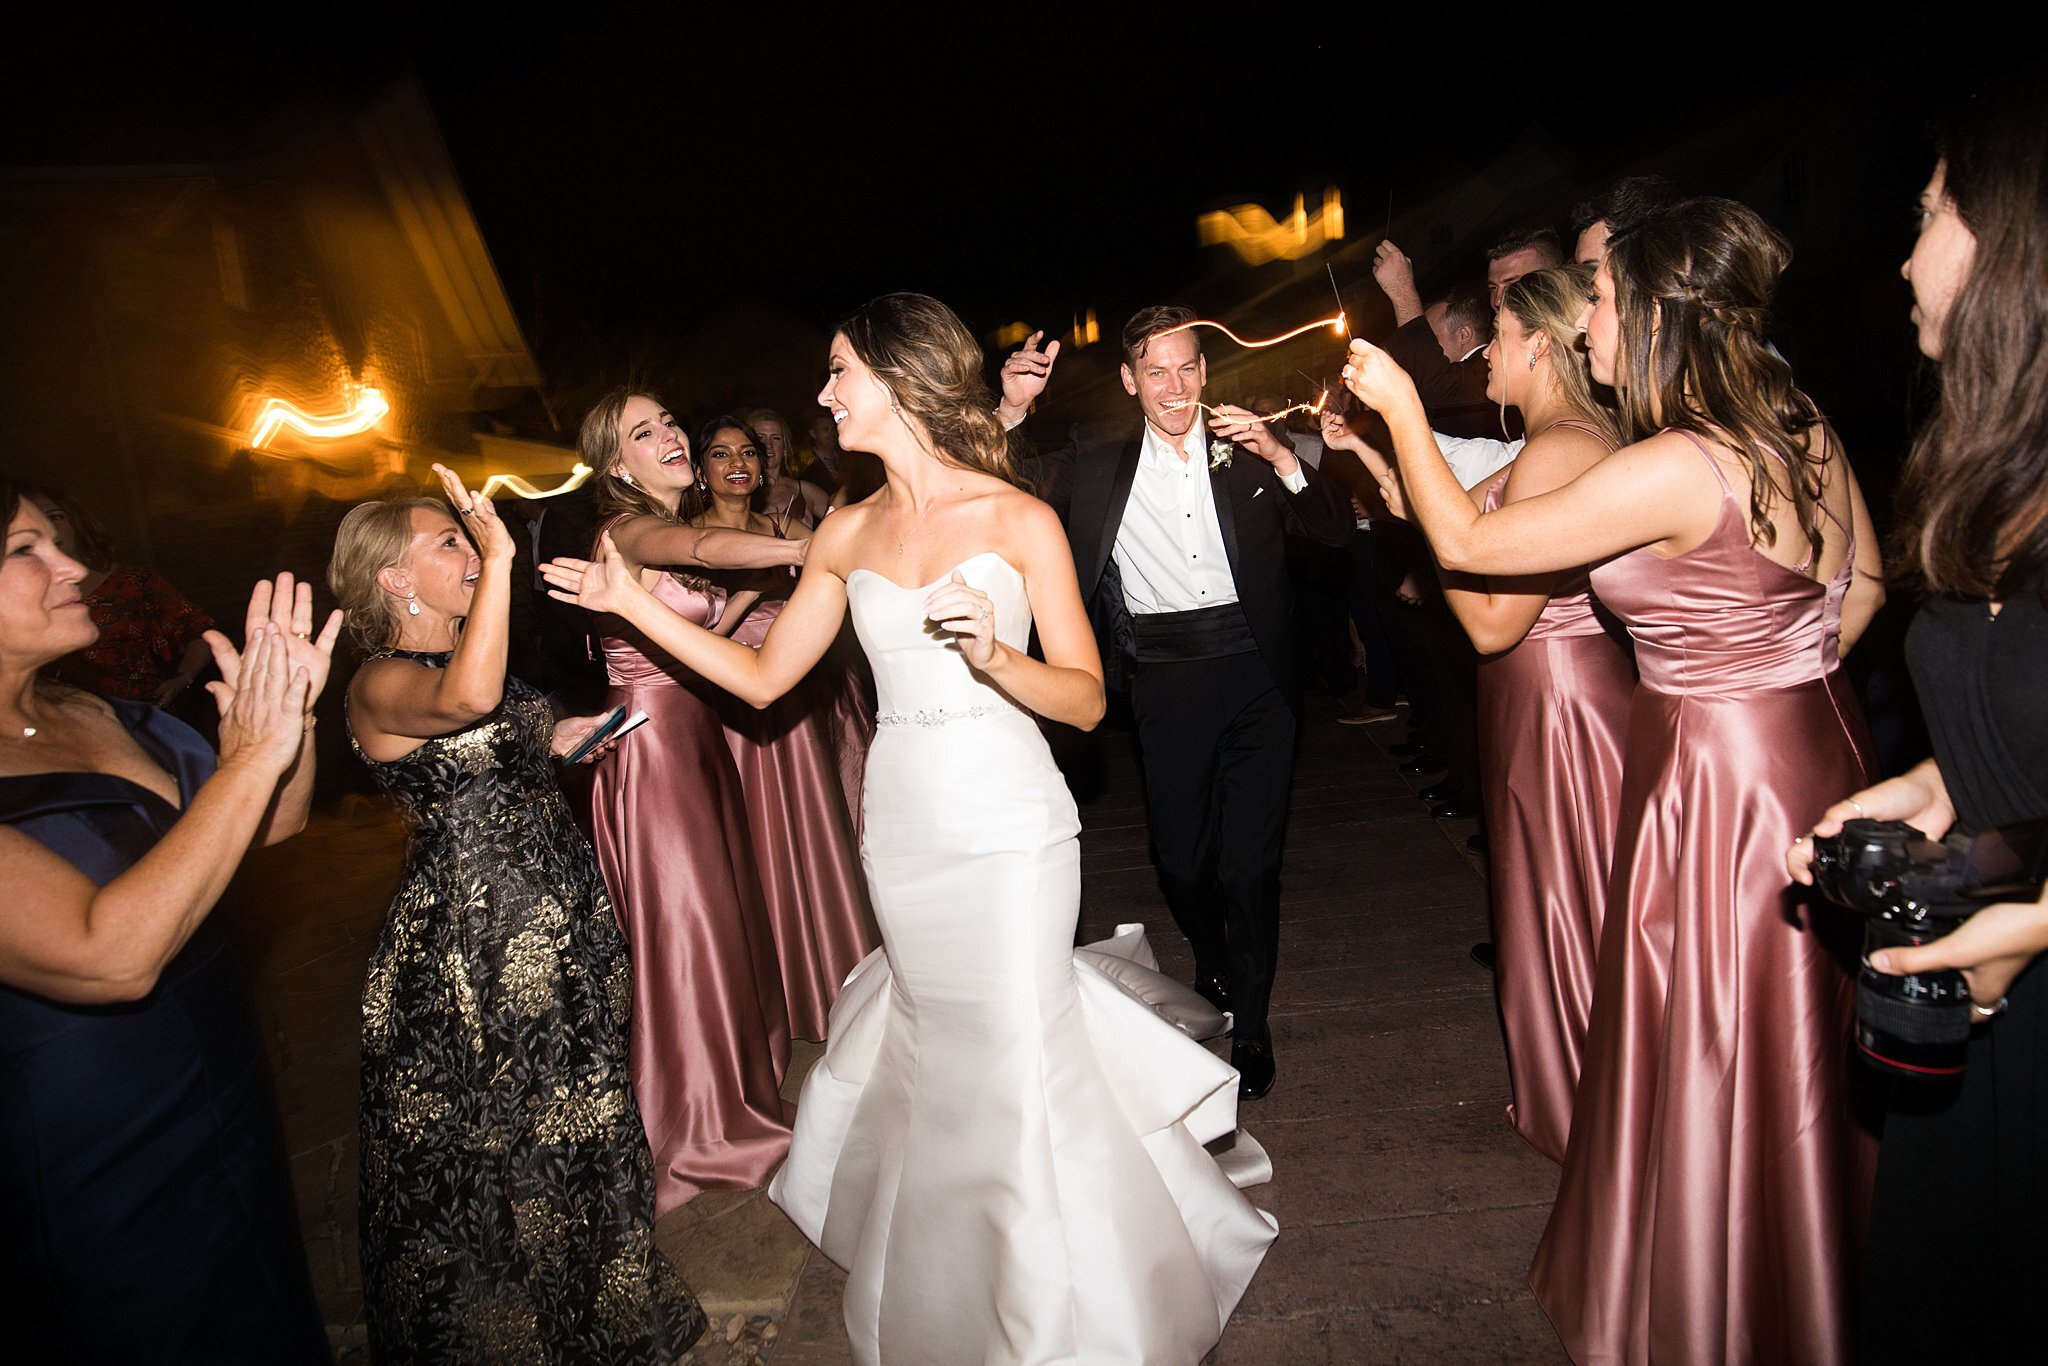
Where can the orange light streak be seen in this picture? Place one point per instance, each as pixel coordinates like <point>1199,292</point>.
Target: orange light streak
<point>368,410</point>
<point>525,490</point>
<point>1337,322</point>
<point>1317,407</point>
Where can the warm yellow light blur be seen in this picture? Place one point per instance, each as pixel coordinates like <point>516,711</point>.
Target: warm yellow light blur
<point>1257,238</point>
<point>367,411</point>
<point>1086,331</point>
<point>1010,334</point>
<point>523,489</point>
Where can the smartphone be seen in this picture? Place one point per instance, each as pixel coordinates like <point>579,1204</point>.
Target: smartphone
<point>613,723</point>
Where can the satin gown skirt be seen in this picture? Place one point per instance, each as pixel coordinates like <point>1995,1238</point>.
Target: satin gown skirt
<point>1553,715</point>
<point>1002,1145</point>
<point>710,1033</point>
<point>805,847</point>
<point>1716,1184</point>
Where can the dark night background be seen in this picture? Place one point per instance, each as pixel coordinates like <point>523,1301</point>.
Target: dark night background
<point>695,209</point>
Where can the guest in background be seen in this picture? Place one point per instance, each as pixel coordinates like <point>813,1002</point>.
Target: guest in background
<point>146,1208</point>
<point>786,497</point>
<point>506,1196</point>
<point>1516,253</point>
<point>802,835</point>
<point>151,645</point>
<point>1615,208</point>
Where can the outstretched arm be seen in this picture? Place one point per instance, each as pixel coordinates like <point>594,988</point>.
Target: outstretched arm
<point>1652,494</point>
<point>793,646</point>
<point>651,541</point>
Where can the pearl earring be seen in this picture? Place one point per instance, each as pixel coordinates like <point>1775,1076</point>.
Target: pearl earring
<point>412,604</point>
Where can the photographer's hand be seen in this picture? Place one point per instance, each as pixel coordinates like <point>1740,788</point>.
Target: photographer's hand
<point>1991,949</point>
<point>1919,797</point>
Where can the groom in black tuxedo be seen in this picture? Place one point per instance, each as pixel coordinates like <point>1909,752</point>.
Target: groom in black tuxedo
<point>1178,538</point>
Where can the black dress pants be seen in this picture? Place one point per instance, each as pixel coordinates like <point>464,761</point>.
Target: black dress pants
<point>1217,739</point>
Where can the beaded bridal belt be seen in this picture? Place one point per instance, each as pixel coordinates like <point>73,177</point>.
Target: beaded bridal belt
<point>930,718</point>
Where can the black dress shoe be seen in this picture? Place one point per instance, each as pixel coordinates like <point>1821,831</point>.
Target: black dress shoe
<point>1253,1059</point>
<point>1214,988</point>
<point>1482,954</point>
<point>1456,809</point>
<point>1407,749</point>
<point>1440,792</point>
<point>1423,763</point>
<point>1477,844</point>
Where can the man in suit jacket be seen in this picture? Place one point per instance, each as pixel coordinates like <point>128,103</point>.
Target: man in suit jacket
<point>1178,538</point>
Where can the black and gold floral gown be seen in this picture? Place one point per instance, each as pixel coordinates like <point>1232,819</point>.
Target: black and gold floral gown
<point>507,1196</point>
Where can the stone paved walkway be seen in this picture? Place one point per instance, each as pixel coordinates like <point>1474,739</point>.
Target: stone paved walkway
<point>1408,1210</point>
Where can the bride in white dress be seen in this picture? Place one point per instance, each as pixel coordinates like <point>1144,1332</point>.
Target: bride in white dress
<point>1003,1146</point>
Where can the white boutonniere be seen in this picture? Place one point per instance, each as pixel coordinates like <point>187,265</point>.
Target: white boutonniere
<point>1219,455</point>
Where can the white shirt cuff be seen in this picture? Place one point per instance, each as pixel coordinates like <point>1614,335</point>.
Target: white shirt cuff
<point>1295,482</point>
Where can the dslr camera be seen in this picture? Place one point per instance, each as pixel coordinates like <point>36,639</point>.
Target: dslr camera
<point>1911,889</point>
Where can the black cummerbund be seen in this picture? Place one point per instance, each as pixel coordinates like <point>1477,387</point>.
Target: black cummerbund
<point>1204,633</point>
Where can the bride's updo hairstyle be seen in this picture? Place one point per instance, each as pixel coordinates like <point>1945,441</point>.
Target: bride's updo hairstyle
<point>1550,301</point>
<point>598,446</point>
<point>1692,292</point>
<point>932,367</point>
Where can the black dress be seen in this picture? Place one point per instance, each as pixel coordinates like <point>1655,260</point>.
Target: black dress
<point>507,1197</point>
<point>146,1209</point>
<point>1958,1255</point>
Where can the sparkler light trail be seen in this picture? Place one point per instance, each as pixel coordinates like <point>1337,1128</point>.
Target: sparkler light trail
<point>525,490</point>
<point>1336,322</point>
<point>1316,408</point>
<point>1340,299</point>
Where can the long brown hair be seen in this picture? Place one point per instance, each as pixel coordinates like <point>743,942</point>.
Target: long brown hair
<point>1974,495</point>
<point>932,367</point>
<point>599,446</point>
<point>1550,301</point>
<point>1693,288</point>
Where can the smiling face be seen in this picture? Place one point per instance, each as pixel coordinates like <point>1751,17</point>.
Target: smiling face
<point>653,451</point>
<point>43,616</point>
<point>732,464</point>
<point>1942,256</point>
<point>439,566</point>
<point>1167,379</point>
<point>1602,326</point>
<point>856,400</point>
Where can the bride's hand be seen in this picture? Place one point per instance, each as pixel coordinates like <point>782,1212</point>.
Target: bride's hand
<point>969,615</point>
<point>605,584</point>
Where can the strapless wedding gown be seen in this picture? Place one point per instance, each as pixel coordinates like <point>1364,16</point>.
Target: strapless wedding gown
<point>1004,1146</point>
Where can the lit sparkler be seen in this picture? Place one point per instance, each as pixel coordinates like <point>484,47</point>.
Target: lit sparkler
<point>1322,399</point>
<point>522,489</point>
<point>365,412</point>
<point>1336,322</point>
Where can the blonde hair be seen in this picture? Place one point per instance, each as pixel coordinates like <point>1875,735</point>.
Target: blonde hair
<point>932,367</point>
<point>373,537</point>
<point>1550,301</point>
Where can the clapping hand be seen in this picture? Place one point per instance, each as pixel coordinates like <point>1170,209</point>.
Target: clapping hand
<point>288,607</point>
<point>263,714</point>
<point>1024,376</point>
<point>479,516</point>
<point>966,612</point>
<point>605,584</point>
<point>1242,425</point>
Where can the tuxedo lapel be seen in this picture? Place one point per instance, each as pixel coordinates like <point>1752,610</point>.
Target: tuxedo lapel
<point>1226,519</point>
<point>1125,474</point>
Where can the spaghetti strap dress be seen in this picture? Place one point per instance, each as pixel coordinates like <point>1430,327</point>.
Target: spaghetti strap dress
<point>1716,1182</point>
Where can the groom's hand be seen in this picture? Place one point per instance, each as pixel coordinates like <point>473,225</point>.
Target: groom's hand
<point>1242,425</point>
<point>1024,377</point>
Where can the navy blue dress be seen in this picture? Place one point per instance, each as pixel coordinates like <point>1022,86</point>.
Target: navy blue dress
<point>146,1209</point>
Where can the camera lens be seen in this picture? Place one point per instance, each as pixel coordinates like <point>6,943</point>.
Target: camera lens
<point>1917,1025</point>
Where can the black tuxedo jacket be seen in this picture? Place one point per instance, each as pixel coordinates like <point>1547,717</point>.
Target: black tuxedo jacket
<point>1088,482</point>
